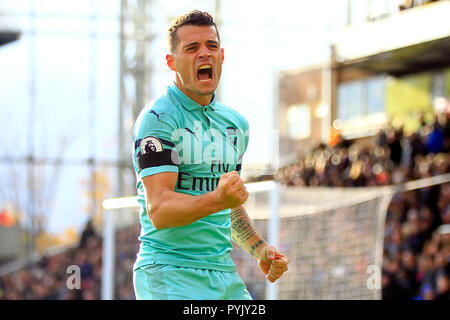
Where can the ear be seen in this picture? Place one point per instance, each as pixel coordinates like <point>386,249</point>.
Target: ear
<point>223,57</point>
<point>170,62</point>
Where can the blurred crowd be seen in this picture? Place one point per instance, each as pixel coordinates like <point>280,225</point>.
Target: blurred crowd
<point>391,158</point>
<point>416,262</point>
<point>52,278</point>
<point>416,256</point>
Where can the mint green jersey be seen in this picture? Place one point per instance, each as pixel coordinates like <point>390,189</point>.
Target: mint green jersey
<point>200,143</point>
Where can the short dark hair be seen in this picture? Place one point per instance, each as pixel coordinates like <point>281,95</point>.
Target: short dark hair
<point>193,18</point>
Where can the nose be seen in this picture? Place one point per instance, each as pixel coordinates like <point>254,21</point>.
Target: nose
<point>204,52</point>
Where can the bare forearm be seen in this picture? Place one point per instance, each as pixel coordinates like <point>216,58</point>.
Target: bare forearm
<point>167,208</point>
<point>244,234</point>
<point>175,209</point>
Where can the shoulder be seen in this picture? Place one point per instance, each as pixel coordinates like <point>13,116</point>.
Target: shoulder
<point>233,115</point>
<point>161,107</point>
<point>159,114</point>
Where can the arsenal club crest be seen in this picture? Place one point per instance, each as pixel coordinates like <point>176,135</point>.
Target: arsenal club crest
<point>232,135</point>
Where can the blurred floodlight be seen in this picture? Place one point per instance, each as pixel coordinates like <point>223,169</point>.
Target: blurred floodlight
<point>299,122</point>
<point>120,203</point>
<point>260,186</point>
<point>322,111</point>
<point>439,104</point>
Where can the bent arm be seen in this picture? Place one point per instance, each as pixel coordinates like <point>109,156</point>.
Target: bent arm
<point>244,234</point>
<point>167,208</point>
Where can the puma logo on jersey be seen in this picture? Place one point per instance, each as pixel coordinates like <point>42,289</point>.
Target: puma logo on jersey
<point>191,132</point>
<point>156,114</point>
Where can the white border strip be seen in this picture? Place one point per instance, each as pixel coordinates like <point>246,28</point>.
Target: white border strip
<point>132,202</point>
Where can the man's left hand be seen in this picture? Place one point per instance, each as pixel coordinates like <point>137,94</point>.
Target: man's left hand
<point>273,263</point>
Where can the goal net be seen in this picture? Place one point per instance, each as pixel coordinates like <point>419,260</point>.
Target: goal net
<point>333,237</point>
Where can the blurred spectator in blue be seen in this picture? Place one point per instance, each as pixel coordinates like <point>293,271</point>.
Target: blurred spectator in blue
<point>426,292</point>
<point>435,140</point>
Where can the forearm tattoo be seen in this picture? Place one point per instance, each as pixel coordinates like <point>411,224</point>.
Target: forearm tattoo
<point>241,229</point>
<point>256,245</point>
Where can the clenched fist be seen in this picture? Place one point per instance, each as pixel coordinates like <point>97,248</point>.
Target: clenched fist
<point>231,190</point>
<point>273,263</point>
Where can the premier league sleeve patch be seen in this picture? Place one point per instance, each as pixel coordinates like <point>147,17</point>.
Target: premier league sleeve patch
<point>150,144</point>
<point>151,153</point>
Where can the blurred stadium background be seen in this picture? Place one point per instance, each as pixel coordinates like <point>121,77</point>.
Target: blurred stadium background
<point>352,104</point>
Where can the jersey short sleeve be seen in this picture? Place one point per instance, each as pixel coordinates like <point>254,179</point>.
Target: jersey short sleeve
<point>153,146</point>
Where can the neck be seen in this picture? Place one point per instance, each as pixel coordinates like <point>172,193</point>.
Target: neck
<point>202,100</point>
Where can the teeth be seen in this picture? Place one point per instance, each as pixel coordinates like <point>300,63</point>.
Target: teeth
<point>204,67</point>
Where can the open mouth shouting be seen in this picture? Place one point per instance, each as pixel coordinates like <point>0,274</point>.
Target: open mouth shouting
<point>205,73</point>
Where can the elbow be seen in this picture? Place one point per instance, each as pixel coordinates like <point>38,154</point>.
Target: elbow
<point>155,217</point>
<point>156,224</point>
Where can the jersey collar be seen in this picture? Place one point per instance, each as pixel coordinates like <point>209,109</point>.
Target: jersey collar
<point>187,102</point>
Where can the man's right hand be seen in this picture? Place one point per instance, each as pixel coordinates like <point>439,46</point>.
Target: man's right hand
<point>231,191</point>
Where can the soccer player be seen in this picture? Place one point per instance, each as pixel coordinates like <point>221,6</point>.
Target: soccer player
<point>187,156</point>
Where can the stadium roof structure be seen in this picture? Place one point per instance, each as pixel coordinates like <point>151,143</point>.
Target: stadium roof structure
<point>411,59</point>
<point>410,41</point>
<point>7,36</point>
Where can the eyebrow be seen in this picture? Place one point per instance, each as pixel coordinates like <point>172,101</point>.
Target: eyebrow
<point>196,43</point>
